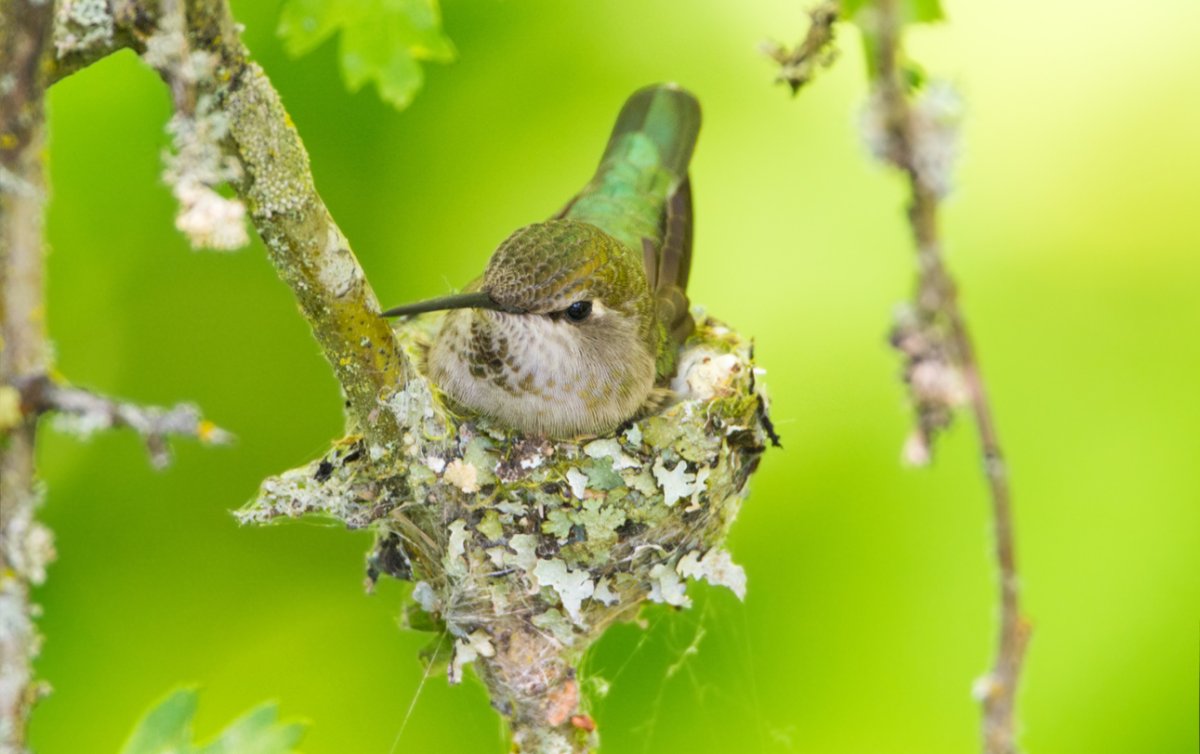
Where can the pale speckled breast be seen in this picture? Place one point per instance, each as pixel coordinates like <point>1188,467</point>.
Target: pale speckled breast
<point>543,376</point>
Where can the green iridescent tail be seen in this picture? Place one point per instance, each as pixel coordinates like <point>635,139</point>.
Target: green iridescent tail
<point>645,162</point>
<point>669,117</point>
<point>641,194</point>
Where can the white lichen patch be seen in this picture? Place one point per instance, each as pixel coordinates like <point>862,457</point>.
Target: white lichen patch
<point>604,593</point>
<point>81,25</point>
<point>524,547</point>
<point>29,544</point>
<point>454,562</point>
<point>337,269</point>
<point>83,425</point>
<point>676,483</point>
<point>667,587</point>
<point>467,650</point>
<point>531,462</point>
<point>209,220</point>
<point>573,587</point>
<point>324,489</point>
<point>199,162</point>
<point>577,481</point>
<point>462,475</point>
<point>413,407</point>
<point>698,486</point>
<point>14,182</point>
<point>936,118</point>
<point>610,447</point>
<point>424,595</point>
<point>716,567</point>
<point>984,687</point>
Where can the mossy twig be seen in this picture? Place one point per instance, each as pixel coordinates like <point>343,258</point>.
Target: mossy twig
<point>798,65</point>
<point>916,132</point>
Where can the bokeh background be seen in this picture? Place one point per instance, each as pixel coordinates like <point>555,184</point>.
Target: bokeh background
<point>1075,232</point>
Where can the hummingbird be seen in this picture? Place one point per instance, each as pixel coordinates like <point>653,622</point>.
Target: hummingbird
<point>575,325</point>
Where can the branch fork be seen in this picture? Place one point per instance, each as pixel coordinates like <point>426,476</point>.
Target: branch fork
<point>523,550</point>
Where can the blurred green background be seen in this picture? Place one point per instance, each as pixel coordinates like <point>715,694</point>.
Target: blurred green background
<point>1075,232</point>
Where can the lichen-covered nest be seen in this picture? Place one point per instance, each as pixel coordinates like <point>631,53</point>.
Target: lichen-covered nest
<point>524,550</point>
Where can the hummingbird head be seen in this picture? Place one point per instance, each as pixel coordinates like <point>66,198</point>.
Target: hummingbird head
<point>558,338</point>
<point>567,269</point>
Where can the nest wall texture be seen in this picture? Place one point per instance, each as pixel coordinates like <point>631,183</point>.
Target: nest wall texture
<point>523,550</point>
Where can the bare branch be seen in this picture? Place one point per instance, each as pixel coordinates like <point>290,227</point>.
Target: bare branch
<point>800,64</point>
<point>25,546</point>
<point>917,137</point>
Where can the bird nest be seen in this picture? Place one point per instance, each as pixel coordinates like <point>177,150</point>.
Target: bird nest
<point>524,550</point>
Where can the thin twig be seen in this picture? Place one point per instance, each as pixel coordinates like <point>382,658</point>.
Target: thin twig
<point>940,337</point>
<point>800,64</point>
<point>83,412</point>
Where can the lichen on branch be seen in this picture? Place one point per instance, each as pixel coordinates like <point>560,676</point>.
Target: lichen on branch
<point>83,413</point>
<point>221,97</point>
<point>912,125</point>
<point>26,547</point>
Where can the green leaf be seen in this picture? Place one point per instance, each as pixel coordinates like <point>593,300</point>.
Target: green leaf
<point>911,11</point>
<point>305,24</point>
<point>382,41</point>
<point>167,729</point>
<point>257,732</point>
<point>923,11</point>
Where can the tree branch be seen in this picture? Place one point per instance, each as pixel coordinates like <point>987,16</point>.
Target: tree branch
<point>942,369</point>
<point>274,181</point>
<point>309,251</point>
<point>25,546</point>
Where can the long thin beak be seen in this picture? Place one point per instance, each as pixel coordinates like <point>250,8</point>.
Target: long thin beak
<point>476,300</point>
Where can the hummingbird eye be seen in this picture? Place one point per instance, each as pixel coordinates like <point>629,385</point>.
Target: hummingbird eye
<point>579,311</point>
